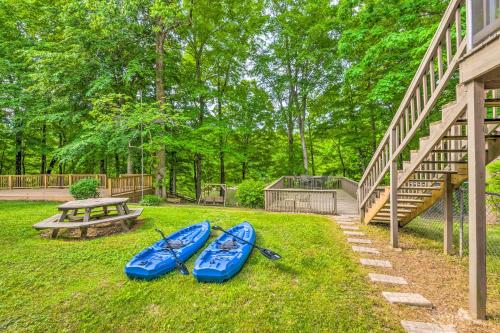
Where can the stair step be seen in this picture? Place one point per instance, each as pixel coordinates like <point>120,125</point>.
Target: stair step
<point>444,162</point>
<point>492,102</point>
<point>387,210</point>
<point>382,215</point>
<point>426,180</point>
<point>402,206</point>
<point>449,151</point>
<point>486,121</point>
<point>420,188</point>
<point>414,194</point>
<point>410,200</point>
<point>464,137</point>
<point>435,171</point>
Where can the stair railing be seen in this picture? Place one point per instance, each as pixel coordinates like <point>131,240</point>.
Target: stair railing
<point>436,69</point>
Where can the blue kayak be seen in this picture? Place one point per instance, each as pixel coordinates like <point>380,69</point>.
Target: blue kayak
<point>225,256</point>
<point>157,260</point>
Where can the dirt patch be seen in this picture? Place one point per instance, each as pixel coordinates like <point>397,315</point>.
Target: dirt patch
<point>102,230</point>
<point>440,278</point>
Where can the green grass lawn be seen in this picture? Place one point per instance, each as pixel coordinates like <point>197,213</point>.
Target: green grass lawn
<point>64,285</point>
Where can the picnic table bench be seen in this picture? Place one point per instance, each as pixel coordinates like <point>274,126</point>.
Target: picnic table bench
<point>71,219</point>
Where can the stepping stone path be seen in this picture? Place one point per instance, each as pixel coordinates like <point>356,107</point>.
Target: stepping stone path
<point>354,233</point>
<point>387,278</point>
<point>365,249</point>
<point>349,227</point>
<point>350,223</point>
<point>418,327</point>
<point>375,262</point>
<point>359,240</point>
<point>407,298</point>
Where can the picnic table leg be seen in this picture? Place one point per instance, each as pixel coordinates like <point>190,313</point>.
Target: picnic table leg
<point>86,217</point>
<point>105,210</point>
<point>54,232</point>
<point>125,208</point>
<point>83,233</point>
<point>75,212</point>
<point>121,211</point>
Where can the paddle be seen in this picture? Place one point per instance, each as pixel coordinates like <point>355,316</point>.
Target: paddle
<point>179,264</point>
<point>265,252</point>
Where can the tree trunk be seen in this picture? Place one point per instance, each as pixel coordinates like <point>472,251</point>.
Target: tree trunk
<point>222,171</point>
<point>291,158</point>
<point>243,170</point>
<point>302,120</point>
<point>311,147</point>
<point>173,173</point>
<point>197,175</point>
<point>43,162</point>
<point>19,152</point>
<point>1,161</point>
<point>102,166</point>
<point>130,161</point>
<point>339,151</point>
<point>160,98</point>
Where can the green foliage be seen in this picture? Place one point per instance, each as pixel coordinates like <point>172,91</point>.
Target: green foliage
<point>493,180</point>
<point>250,193</point>
<point>150,200</point>
<point>85,189</point>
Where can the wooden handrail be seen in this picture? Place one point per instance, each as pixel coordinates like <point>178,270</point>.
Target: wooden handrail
<point>419,100</point>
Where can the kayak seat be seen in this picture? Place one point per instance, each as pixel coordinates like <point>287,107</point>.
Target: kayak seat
<point>230,244</point>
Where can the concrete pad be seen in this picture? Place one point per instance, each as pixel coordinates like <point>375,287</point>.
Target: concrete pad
<point>407,298</point>
<point>419,327</point>
<point>375,262</point>
<point>359,240</point>
<point>387,278</point>
<point>349,227</point>
<point>354,233</point>
<point>365,249</point>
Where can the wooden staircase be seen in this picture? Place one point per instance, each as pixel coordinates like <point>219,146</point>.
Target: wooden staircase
<point>429,148</point>
<point>441,154</point>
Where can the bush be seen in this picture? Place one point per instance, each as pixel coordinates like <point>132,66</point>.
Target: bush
<point>250,193</point>
<point>85,189</point>
<point>150,200</point>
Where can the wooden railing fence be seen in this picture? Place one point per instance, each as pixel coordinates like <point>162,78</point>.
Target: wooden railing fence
<point>47,180</point>
<point>307,194</point>
<point>129,184</point>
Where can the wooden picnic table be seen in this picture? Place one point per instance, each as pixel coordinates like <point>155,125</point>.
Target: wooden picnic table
<point>95,211</point>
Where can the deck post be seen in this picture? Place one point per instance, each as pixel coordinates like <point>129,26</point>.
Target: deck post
<point>448,216</point>
<point>477,199</point>
<point>394,192</point>
<point>10,182</point>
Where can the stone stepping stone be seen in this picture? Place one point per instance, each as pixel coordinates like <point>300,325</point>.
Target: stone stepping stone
<point>375,262</point>
<point>354,233</point>
<point>419,327</point>
<point>407,298</point>
<point>365,249</point>
<point>346,223</point>
<point>359,240</point>
<point>387,278</point>
<point>349,227</point>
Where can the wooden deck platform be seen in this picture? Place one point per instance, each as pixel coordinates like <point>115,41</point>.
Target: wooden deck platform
<point>346,204</point>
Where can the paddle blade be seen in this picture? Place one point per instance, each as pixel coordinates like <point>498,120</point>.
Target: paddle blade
<point>182,268</point>
<point>269,254</point>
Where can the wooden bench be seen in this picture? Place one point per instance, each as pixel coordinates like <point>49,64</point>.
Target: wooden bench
<point>54,224</point>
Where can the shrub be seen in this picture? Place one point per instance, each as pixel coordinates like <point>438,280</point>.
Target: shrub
<point>150,200</point>
<point>250,193</point>
<point>85,189</point>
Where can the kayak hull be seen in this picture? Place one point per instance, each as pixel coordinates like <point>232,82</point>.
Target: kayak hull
<point>219,264</point>
<point>157,260</point>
